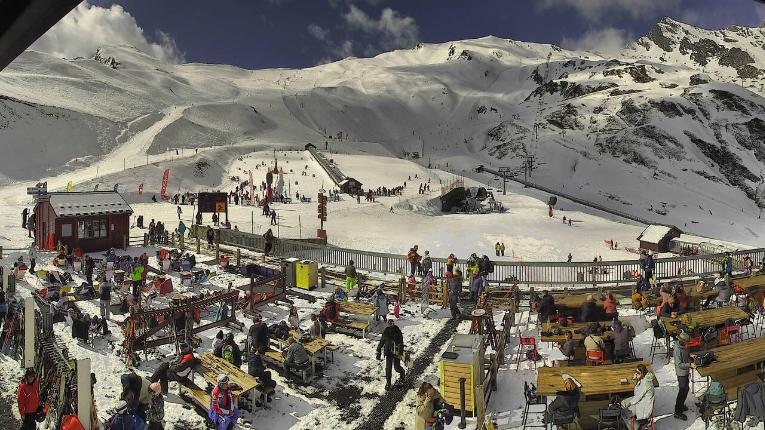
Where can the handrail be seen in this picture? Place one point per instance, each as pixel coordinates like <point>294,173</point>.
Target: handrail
<point>525,272</point>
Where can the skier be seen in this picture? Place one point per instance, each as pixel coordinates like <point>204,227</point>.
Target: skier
<point>180,211</point>
<point>392,343</point>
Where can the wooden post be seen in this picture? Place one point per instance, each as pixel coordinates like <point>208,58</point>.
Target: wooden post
<point>29,332</point>
<point>180,242</point>
<point>125,241</point>
<point>238,257</point>
<point>10,285</point>
<point>198,243</point>
<point>84,393</point>
<point>402,290</point>
<point>1,252</point>
<point>217,245</point>
<point>322,277</point>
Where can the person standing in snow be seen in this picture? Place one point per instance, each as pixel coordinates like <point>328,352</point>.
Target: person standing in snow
<point>24,215</point>
<point>273,217</point>
<point>427,281</point>
<point>381,303</point>
<point>181,228</point>
<point>427,262</point>
<point>180,211</point>
<point>414,260</point>
<point>502,249</point>
<point>455,288</point>
<point>155,416</point>
<point>497,248</point>
<point>392,344</point>
<point>350,276</point>
<point>210,237</point>
<point>28,399</point>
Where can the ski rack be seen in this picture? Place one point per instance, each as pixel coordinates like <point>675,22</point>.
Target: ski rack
<point>141,319</point>
<point>57,375</point>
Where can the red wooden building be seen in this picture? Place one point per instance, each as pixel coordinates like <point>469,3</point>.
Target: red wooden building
<point>92,221</point>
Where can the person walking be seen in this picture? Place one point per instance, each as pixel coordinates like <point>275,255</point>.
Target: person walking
<point>105,302</point>
<point>137,277</point>
<point>683,366</point>
<point>257,335</point>
<point>381,302</point>
<point>210,237</point>
<point>392,344</point>
<point>427,262</point>
<point>180,211</point>
<point>28,398</point>
<point>497,249</point>
<point>350,276</point>
<point>502,249</point>
<point>427,282</point>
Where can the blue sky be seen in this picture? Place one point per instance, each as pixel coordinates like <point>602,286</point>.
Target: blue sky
<point>299,33</point>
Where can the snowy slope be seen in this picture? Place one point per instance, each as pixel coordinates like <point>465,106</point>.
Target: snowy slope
<point>665,131</point>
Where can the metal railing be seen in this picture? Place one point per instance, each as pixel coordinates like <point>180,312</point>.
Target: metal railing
<point>332,171</point>
<point>530,273</point>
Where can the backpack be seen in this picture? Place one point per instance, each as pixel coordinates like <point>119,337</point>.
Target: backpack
<point>705,359</point>
<point>709,335</point>
<point>716,392</point>
<point>398,349</point>
<point>228,353</point>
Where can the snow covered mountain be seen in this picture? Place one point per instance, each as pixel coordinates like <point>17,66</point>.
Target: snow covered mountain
<point>665,130</point>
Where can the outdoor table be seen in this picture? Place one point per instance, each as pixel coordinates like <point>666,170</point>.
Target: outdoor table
<point>736,359</point>
<point>706,318</point>
<point>573,327</point>
<point>596,380</point>
<point>356,308</point>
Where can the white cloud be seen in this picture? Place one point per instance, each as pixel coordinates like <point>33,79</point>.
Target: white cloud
<point>317,31</point>
<point>391,31</point>
<point>88,27</point>
<point>594,10</point>
<point>606,41</point>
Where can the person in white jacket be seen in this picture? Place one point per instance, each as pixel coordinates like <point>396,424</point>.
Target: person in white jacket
<point>641,403</point>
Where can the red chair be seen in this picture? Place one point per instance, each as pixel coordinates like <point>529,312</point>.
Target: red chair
<point>653,424</point>
<point>730,334</point>
<point>526,344</point>
<point>594,358</point>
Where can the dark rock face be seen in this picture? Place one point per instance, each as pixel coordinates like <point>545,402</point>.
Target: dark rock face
<point>642,146</point>
<point>631,114</point>
<point>638,73</point>
<point>701,50</point>
<point>699,79</point>
<point>656,35</point>
<point>734,102</point>
<point>568,90</point>
<point>565,118</point>
<point>729,164</point>
<point>751,135</point>
<point>735,57</point>
<point>620,92</point>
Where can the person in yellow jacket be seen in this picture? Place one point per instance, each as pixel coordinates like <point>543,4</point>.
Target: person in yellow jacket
<point>497,249</point>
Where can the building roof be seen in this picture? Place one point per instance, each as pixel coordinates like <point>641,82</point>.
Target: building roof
<point>89,204</point>
<point>655,233</point>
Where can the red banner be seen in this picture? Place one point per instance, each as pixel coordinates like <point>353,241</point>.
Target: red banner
<point>163,192</point>
<point>252,190</point>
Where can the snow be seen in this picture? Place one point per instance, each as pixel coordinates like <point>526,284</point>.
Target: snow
<point>637,150</point>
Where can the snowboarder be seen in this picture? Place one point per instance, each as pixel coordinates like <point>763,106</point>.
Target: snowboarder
<point>392,344</point>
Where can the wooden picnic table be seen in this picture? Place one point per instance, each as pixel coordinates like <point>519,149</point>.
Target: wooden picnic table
<point>575,301</point>
<point>357,308</point>
<point>313,348</point>
<point>735,359</point>
<point>595,380</point>
<point>212,366</point>
<point>706,318</point>
<point>573,327</point>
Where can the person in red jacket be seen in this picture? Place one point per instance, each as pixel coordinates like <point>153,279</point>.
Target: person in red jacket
<point>29,399</point>
<point>224,412</point>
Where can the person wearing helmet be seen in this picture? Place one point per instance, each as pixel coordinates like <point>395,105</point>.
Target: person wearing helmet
<point>29,399</point>
<point>224,412</point>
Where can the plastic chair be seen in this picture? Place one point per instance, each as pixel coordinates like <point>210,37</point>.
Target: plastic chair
<point>532,399</point>
<point>526,344</point>
<point>610,418</point>
<point>595,358</point>
<point>660,338</point>
<point>730,334</point>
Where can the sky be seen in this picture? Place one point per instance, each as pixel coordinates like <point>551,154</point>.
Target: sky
<point>257,34</point>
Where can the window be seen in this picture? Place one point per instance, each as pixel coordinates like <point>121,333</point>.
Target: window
<point>66,230</point>
<point>92,229</point>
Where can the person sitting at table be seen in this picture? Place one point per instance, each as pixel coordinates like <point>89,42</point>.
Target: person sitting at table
<point>609,306</point>
<point>231,351</point>
<point>640,405</point>
<point>223,411</point>
<point>296,358</point>
<point>740,299</point>
<point>329,314</point>
<point>665,293</point>
<point>568,347</point>
<point>681,300</point>
<point>256,367</point>
<point>590,310</point>
<point>642,284</point>
<point>545,307</point>
<point>565,408</point>
<point>621,337</point>
<point>593,341</point>
<point>666,309</point>
<point>178,371</point>
<point>293,320</point>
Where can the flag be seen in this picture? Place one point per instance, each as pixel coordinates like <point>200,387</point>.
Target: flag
<point>69,187</point>
<point>165,176</point>
<point>95,188</point>
<point>140,189</point>
<point>252,190</point>
<point>115,187</point>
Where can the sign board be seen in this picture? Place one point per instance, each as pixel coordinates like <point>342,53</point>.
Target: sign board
<point>212,202</point>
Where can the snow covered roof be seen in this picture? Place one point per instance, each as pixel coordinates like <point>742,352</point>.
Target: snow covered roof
<point>655,233</point>
<point>89,203</point>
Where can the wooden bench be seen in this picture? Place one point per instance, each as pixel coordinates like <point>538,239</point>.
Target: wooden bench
<point>198,396</point>
<point>276,358</point>
<point>353,327</point>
